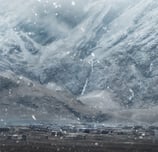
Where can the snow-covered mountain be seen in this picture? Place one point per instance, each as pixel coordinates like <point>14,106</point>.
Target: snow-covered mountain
<point>106,49</point>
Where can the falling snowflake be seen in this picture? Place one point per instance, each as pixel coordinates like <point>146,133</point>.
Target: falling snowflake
<point>33,117</point>
<point>93,55</point>
<point>73,3</point>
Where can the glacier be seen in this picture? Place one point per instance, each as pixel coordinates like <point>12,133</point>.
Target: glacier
<point>102,52</point>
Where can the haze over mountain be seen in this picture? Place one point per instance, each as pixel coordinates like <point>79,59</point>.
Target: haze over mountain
<point>105,52</point>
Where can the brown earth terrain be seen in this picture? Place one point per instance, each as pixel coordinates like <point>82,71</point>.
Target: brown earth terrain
<point>35,139</point>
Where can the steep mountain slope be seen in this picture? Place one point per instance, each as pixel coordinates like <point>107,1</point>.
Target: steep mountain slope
<point>99,48</point>
<point>23,101</point>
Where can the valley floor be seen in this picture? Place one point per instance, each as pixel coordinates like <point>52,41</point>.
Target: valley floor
<point>35,139</point>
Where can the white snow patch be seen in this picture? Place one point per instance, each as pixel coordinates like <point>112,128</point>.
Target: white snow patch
<point>102,100</point>
<point>54,86</point>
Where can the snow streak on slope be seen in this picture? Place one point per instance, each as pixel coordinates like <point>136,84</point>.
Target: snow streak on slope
<point>88,47</point>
